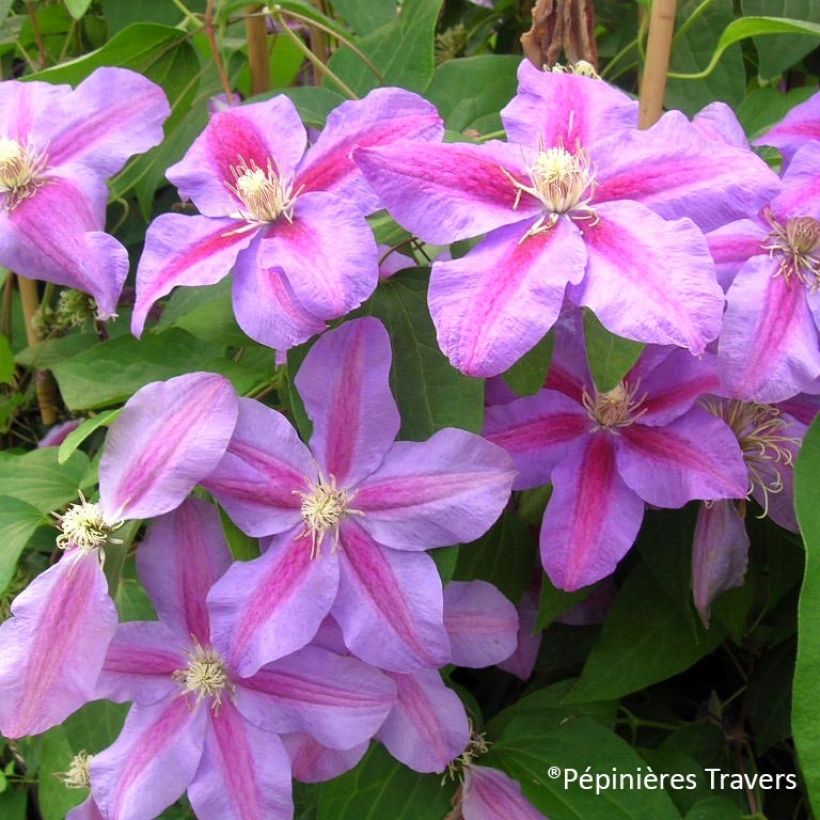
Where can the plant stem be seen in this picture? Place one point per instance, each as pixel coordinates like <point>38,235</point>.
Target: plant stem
<point>208,26</point>
<point>659,45</point>
<point>258,60</point>
<point>38,35</point>
<point>319,46</point>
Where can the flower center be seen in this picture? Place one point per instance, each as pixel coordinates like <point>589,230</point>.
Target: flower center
<point>614,408</point>
<point>84,526</point>
<point>798,243</point>
<point>77,776</point>
<point>581,68</point>
<point>264,193</point>
<point>20,170</point>
<point>323,508</point>
<point>477,746</point>
<point>205,676</point>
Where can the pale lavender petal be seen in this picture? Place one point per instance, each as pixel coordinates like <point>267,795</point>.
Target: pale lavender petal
<point>720,553</point>
<point>799,126</point>
<point>768,350</point>
<point>184,250</point>
<point>675,171</point>
<point>565,110</point>
<point>592,518</point>
<point>53,646</point>
<point>328,254</point>
<point>244,773</point>
<point>267,608</point>
<point>536,431</point>
<point>695,457</point>
<point>140,661</point>
<point>569,371</point>
<point>113,114</point>
<point>265,134</point>
<point>522,662</point>
<point>488,794</point>
<point>390,604</point>
<point>449,489</point>
<point>169,436</point>
<point>497,302</point>
<point>733,244</point>
<point>313,763</point>
<point>384,116</point>
<point>801,195</point>
<point>391,262</point>
<point>181,558</point>
<point>447,192</point>
<point>803,408</point>
<point>55,235</point>
<point>262,470</point>
<point>628,285</point>
<point>338,701</point>
<point>266,306</point>
<point>719,123</point>
<point>481,623</point>
<point>344,384</point>
<point>59,433</point>
<point>428,726</point>
<point>87,810</point>
<point>151,763</point>
<point>27,111</point>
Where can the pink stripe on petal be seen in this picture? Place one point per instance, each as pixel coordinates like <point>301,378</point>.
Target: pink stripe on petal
<point>732,244</point>
<point>489,794</point>
<point>313,763</point>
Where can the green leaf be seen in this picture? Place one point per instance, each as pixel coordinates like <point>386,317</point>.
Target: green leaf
<point>77,8</point>
<point>718,807</point>
<point>750,27</point>
<point>243,547</point>
<point>365,16</point>
<point>646,638</point>
<point>528,374</point>
<point>782,52</point>
<point>610,357</point>
<point>764,107</point>
<point>5,8</point>
<point>313,104</point>
<point>470,91</point>
<point>768,700</point>
<point>77,436</point>
<point>133,603</point>
<point>119,15</point>
<point>95,726</point>
<point>806,706</point>
<point>553,602</point>
<point>381,787</point>
<point>37,478</point>
<point>431,394</point>
<point>18,521</point>
<point>6,361</point>
<point>55,799</point>
<point>13,802</point>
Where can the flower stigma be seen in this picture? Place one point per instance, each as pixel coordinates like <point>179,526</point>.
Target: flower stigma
<point>798,244</point>
<point>617,407</point>
<point>84,526</point>
<point>205,676</point>
<point>265,194</point>
<point>20,171</point>
<point>77,776</point>
<point>324,506</point>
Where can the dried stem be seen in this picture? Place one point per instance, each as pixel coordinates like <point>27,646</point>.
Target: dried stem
<point>210,33</point>
<point>659,45</point>
<point>47,397</point>
<point>258,57</point>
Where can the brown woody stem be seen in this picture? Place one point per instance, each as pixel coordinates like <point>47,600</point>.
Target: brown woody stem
<point>258,59</point>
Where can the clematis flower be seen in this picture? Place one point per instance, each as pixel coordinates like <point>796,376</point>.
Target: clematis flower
<point>291,223</point>
<point>769,349</point>
<point>799,126</point>
<point>58,147</point>
<point>579,203</point>
<point>608,454</point>
<point>199,725</point>
<point>770,439</point>
<point>350,517</point>
<point>168,437</point>
<point>490,794</point>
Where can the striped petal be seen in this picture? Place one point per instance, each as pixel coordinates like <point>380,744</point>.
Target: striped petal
<point>313,763</point>
<point>489,794</point>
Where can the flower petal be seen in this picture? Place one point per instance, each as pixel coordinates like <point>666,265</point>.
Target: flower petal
<point>495,303</point>
<point>27,111</point>
<point>720,553</point>
<point>53,646</point>
<point>169,436</point>
<point>676,172</point>
<point>694,457</point>
<point>428,726</point>
<point>731,245</point>
<point>489,794</point>
<point>181,558</point>
<point>383,117</point>
<point>267,608</point>
<point>535,431</point>
<point>799,126</point>
<point>55,236</point>
<point>592,518</point>
<point>628,285</point>
<point>481,623</point>
<point>390,604</point>
<point>768,350</point>
<point>443,193</point>
<point>151,763</point>
<point>328,254</point>
<point>557,110</point>
<point>244,772</point>
<point>338,701</point>
<point>569,371</point>
<point>801,195</point>
<point>313,763</point>
<point>718,122</point>
<point>522,662</point>
<point>449,489</point>
<point>260,134</point>
<point>184,250</point>
<point>262,470</point>
<point>344,384</point>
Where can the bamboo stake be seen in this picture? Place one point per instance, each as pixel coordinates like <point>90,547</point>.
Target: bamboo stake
<point>44,382</point>
<point>658,48</point>
<point>258,60</point>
